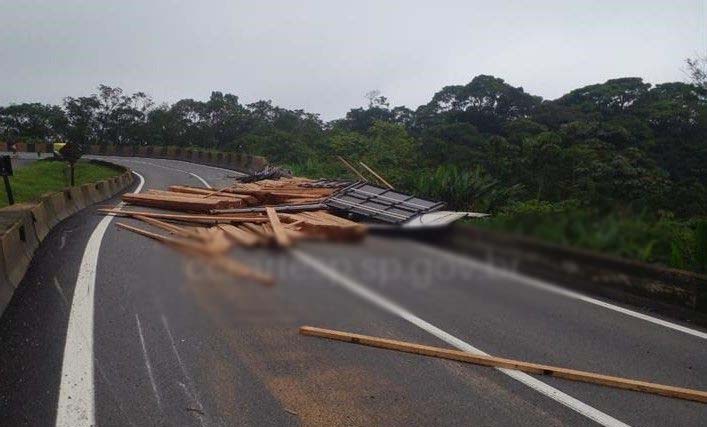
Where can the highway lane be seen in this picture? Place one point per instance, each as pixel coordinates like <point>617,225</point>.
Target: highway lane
<point>173,347</point>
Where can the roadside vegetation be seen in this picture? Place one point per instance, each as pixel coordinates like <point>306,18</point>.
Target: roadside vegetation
<point>45,176</point>
<point>619,167</point>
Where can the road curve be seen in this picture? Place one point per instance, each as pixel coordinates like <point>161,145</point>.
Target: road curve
<point>170,347</point>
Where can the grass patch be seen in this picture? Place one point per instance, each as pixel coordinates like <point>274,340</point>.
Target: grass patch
<point>45,176</point>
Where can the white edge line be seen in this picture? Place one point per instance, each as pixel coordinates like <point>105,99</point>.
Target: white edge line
<point>76,406</point>
<point>549,287</point>
<point>382,302</point>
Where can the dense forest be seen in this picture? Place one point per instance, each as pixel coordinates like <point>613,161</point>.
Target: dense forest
<point>618,167</point>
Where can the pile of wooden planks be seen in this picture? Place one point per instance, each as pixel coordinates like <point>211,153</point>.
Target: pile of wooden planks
<point>196,221</point>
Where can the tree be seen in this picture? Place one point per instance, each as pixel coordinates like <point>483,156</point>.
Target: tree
<point>697,70</point>
<point>612,97</point>
<point>486,102</point>
<point>376,100</point>
<point>35,121</point>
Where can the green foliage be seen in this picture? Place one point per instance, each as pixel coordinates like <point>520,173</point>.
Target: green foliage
<point>645,237</point>
<point>38,178</point>
<point>617,166</point>
<point>461,189</point>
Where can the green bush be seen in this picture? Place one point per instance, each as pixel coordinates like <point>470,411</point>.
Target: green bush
<point>644,237</point>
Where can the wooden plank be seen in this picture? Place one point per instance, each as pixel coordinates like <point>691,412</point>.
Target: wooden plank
<point>218,242</point>
<point>242,237</point>
<point>226,192</point>
<point>224,263</point>
<point>351,168</point>
<point>213,193</point>
<point>281,237</point>
<point>174,229</point>
<point>257,235</point>
<point>380,178</point>
<point>238,269</point>
<point>202,219</point>
<point>497,362</point>
<point>179,203</point>
<point>197,247</point>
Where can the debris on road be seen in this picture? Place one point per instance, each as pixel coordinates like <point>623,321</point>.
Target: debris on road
<point>270,208</point>
<point>382,204</point>
<point>268,172</point>
<point>208,223</point>
<point>498,362</point>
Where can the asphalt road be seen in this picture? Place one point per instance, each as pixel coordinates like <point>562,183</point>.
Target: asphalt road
<point>166,342</point>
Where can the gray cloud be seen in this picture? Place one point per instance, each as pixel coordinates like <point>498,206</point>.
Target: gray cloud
<point>324,55</point>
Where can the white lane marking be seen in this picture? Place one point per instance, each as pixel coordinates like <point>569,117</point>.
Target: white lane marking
<point>76,406</point>
<point>203,181</point>
<point>384,303</point>
<point>188,390</point>
<point>549,287</point>
<point>206,184</point>
<point>148,365</point>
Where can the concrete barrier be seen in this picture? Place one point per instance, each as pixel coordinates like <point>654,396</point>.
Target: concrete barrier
<point>6,288</point>
<point>169,152</point>
<point>19,240</point>
<point>56,205</point>
<point>103,190</point>
<point>40,216</point>
<point>236,161</point>
<point>24,226</point>
<point>72,199</point>
<point>89,193</point>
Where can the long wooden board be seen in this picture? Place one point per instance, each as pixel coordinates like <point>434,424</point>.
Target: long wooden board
<point>179,202</point>
<point>380,178</point>
<point>242,237</point>
<point>281,237</point>
<point>229,265</point>
<point>498,362</point>
<point>205,219</point>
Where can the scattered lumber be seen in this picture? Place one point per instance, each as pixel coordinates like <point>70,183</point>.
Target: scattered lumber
<point>224,193</point>
<point>179,203</point>
<point>278,208</point>
<point>268,172</point>
<point>498,362</point>
<point>174,229</point>
<point>281,237</point>
<point>240,236</point>
<point>378,177</point>
<point>226,264</point>
<point>207,223</point>
<point>202,219</point>
<point>350,167</point>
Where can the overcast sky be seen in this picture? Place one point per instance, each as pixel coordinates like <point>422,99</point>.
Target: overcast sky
<point>323,56</point>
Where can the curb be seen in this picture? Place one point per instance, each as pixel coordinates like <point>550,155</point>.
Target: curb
<point>24,226</point>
